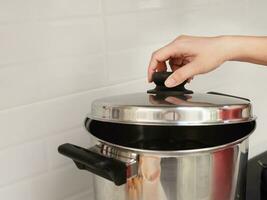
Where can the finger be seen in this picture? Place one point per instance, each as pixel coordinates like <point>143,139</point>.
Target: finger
<point>175,67</point>
<point>150,72</point>
<point>162,67</point>
<point>185,62</point>
<point>159,56</point>
<point>175,63</point>
<point>190,79</point>
<point>181,74</point>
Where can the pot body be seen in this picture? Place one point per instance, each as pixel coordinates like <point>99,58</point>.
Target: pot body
<point>218,174</point>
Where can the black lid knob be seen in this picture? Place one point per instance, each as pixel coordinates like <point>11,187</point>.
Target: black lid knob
<point>159,79</point>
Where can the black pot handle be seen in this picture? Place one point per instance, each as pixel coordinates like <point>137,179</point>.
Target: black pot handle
<point>159,79</point>
<point>109,168</point>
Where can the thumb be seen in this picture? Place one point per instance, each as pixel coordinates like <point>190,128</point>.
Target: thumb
<point>182,74</point>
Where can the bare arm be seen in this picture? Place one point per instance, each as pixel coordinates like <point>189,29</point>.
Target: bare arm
<point>189,56</point>
<point>247,49</point>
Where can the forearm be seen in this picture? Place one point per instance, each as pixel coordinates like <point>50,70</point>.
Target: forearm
<point>190,55</point>
<point>246,49</point>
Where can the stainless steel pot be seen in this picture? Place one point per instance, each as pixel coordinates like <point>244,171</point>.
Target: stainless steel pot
<point>168,145</point>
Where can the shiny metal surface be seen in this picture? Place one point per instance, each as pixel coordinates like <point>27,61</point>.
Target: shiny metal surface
<point>214,175</point>
<point>187,109</point>
<point>166,153</point>
<point>129,158</point>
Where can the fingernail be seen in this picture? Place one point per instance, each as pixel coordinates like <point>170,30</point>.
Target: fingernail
<point>170,82</point>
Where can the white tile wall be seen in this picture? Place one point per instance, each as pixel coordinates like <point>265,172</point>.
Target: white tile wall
<point>70,74</point>
<point>22,161</point>
<point>123,6</point>
<point>32,41</point>
<point>56,56</point>
<point>133,30</point>
<point>16,191</point>
<point>76,136</point>
<point>60,184</point>
<point>30,10</point>
<point>82,196</point>
<point>128,63</point>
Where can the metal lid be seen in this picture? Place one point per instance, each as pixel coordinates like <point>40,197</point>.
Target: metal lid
<point>165,107</point>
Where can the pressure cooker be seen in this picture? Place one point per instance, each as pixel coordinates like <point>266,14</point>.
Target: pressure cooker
<point>167,144</point>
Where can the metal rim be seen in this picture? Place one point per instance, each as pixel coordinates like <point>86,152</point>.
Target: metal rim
<point>172,115</point>
<point>174,152</point>
<point>177,123</point>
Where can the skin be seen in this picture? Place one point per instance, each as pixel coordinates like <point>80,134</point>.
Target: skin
<point>189,55</point>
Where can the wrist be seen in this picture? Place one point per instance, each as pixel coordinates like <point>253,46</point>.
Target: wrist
<point>232,47</point>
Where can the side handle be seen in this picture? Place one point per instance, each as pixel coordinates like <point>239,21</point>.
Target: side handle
<point>109,168</point>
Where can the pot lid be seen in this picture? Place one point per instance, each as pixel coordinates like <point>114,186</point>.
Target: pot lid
<point>172,106</point>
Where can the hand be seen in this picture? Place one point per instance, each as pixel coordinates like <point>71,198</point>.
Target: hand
<point>188,56</point>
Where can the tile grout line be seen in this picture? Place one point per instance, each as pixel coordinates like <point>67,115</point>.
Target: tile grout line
<point>47,20</point>
<point>72,56</point>
<point>29,179</point>
<point>70,95</point>
<point>87,191</point>
<point>47,59</point>
<point>79,17</point>
<point>145,10</point>
<point>42,138</point>
<point>105,43</point>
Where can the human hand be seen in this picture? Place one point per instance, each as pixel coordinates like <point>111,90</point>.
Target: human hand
<point>189,56</point>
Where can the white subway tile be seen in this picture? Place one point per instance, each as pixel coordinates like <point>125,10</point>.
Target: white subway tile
<point>39,120</point>
<point>78,136</point>
<point>156,4</point>
<point>122,31</point>
<point>29,83</point>
<point>60,184</point>
<point>70,75</point>
<point>218,79</point>
<point>256,17</point>
<point>31,41</point>
<point>17,11</point>
<point>66,8</point>
<point>19,191</point>
<point>19,85</point>
<point>214,20</point>
<point>23,161</point>
<point>126,31</point>
<point>89,195</point>
<point>218,5</point>
<point>159,27</point>
<point>129,64</point>
<point>193,5</point>
<point>257,147</point>
<point>118,6</point>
